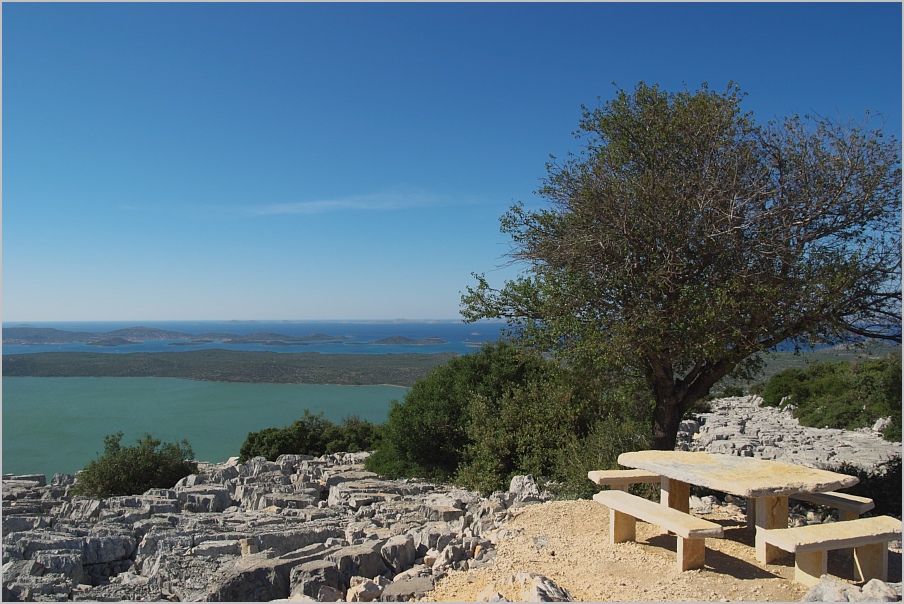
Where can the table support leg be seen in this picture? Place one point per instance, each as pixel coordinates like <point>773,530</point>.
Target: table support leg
<point>691,553</point>
<point>871,562</point>
<point>622,527</point>
<point>675,494</point>
<point>809,567</point>
<point>771,513</point>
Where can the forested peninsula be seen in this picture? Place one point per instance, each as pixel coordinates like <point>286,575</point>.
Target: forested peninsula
<point>232,366</point>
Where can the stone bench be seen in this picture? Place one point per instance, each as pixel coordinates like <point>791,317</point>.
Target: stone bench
<point>810,545</point>
<point>626,509</point>
<point>622,479</point>
<point>850,507</point>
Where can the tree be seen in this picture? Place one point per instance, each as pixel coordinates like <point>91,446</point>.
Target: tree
<point>684,239</point>
<point>133,470</point>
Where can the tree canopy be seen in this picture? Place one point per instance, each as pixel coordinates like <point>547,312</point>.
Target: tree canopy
<point>684,238</point>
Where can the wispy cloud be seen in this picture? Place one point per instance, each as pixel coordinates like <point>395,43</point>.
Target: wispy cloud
<point>385,201</point>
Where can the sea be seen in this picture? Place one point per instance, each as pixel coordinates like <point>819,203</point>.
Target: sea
<point>358,336</point>
<point>52,425</point>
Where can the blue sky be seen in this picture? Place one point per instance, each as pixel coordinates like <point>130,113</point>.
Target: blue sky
<point>168,161</point>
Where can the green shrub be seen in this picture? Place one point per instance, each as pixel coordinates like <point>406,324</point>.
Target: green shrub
<point>502,411</point>
<point>427,434</point>
<point>730,391</point>
<point>882,485</point>
<point>702,405</point>
<point>352,435</point>
<point>311,435</point>
<point>521,432</point>
<point>133,470</point>
<point>599,450</point>
<point>842,394</point>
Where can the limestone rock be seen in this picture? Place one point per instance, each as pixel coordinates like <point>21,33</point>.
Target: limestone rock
<point>398,553</point>
<point>432,535</point>
<point>879,591</point>
<point>365,591</point>
<point>537,588</point>
<point>363,560</point>
<point>739,426</point>
<point>259,578</point>
<point>830,589</point>
<point>532,587</point>
<point>491,595</point>
<point>308,578</point>
<point>298,528</point>
<point>451,554</point>
<point>407,590</point>
<point>524,488</point>
<point>207,498</point>
<point>329,594</point>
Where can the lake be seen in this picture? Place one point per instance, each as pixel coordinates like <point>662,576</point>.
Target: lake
<point>58,424</point>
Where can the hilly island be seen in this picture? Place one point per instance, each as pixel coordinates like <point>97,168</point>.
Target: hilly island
<point>27,335</point>
<point>232,366</point>
<point>132,335</point>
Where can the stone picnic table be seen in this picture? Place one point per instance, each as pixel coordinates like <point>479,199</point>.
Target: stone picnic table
<point>765,483</point>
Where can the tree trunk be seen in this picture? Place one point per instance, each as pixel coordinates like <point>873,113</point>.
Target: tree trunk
<point>666,419</point>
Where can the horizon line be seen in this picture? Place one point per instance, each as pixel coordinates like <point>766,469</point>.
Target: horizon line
<point>397,320</point>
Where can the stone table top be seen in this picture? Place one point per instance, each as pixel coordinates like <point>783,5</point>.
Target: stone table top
<point>742,476</point>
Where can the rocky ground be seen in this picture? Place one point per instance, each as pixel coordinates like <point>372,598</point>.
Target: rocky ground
<point>739,426</point>
<point>567,542</point>
<point>323,528</point>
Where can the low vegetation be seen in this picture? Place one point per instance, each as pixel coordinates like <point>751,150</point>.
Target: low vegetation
<point>312,435</point>
<point>882,484</point>
<point>841,394</point>
<point>482,418</point>
<point>124,470</point>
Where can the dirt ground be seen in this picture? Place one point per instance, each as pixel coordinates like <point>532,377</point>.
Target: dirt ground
<point>568,542</point>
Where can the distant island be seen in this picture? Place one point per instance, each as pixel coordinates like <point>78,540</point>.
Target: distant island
<point>232,366</point>
<point>115,341</point>
<point>401,341</point>
<point>136,335</point>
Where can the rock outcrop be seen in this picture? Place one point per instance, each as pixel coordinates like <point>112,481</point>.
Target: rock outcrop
<point>830,589</point>
<point>739,426</point>
<point>300,527</point>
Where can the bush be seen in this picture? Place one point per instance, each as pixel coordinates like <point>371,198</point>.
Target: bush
<point>842,394</point>
<point>521,432</point>
<point>133,470</point>
<point>427,434</point>
<point>502,411</point>
<point>731,391</point>
<point>882,485</point>
<point>352,435</point>
<point>599,450</point>
<point>311,435</point>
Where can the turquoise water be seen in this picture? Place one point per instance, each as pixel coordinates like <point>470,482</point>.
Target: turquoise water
<point>58,424</point>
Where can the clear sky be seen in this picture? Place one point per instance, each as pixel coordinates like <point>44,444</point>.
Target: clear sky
<point>167,161</point>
